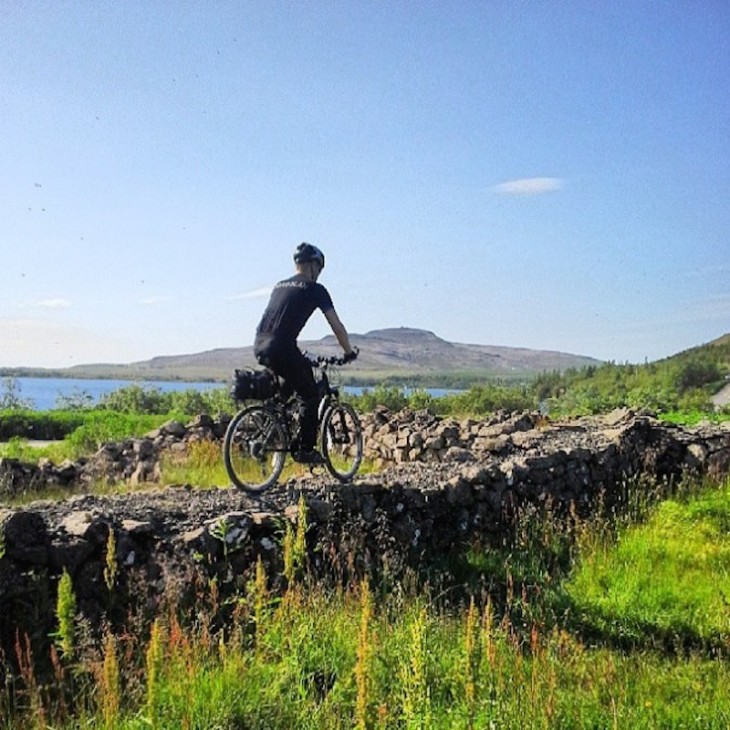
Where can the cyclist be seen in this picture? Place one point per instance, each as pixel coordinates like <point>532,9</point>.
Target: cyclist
<point>291,304</point>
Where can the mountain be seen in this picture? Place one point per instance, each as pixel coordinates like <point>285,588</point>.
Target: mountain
<point>395,353</point>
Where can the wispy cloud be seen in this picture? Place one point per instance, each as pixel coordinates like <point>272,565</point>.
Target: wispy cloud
<point>261,293</point>
<point>529,186</point>
<point>52,303</point>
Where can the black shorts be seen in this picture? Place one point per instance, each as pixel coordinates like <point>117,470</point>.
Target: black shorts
<point>288,362</point>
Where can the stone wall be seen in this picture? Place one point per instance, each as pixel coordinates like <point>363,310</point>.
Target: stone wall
<point>391,439</point>
<point>442,484</point>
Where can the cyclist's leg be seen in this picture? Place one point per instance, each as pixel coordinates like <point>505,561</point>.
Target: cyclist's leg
<point>272,356</point>
<point>299,376</point>
<point>291,365</point>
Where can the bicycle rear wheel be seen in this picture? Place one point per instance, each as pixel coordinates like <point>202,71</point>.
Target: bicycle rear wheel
<point>254,449</point>
<point>341,440</point>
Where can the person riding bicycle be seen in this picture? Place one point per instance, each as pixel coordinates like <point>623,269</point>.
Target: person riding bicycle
<point>291,304</point>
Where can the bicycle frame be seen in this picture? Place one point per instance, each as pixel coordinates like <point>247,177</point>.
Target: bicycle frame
<point>328,396</point>
<point>260,435</point>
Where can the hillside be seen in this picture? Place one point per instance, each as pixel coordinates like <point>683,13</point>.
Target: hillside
<point>394,353</point>
<point>691,380</point>
<point>717,350</point>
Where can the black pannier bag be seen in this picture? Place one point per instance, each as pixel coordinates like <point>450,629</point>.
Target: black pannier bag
<point>252,385</point>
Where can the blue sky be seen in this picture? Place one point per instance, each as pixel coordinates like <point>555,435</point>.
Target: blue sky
<point>529,174</point>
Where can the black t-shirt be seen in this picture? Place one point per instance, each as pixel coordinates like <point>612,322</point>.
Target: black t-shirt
<point>290,306</point>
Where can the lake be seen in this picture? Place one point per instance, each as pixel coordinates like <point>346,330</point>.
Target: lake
<point>44,392</point>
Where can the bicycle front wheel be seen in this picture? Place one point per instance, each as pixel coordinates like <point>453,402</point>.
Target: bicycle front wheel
<point>341,439</point>
<point>254,449</point>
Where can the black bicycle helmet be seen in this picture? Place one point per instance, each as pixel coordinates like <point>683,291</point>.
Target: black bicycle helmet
<point>306,252</point>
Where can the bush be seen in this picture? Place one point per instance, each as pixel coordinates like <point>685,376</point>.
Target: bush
<point>10,397</point>
<point>479,400</point>
<point>698,373</point>
<point>77,400</point>
<point>136,399</point>
<point>41,425</point>
<point>144,399</point>
<point>209,402</point>
<point>100,427</point>
<point>392,397</point>
<point>484,399</point>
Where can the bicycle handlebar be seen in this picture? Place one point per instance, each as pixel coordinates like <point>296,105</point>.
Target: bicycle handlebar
<point>332,359</point>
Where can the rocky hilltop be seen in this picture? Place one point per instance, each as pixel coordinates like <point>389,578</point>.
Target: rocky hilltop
<point>443,483</point>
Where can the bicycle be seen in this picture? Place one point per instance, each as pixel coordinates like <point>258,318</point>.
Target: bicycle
<point>261,435</point>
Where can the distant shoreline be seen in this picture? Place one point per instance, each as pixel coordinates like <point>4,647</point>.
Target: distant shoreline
<point>43,394</point>
<point>448,380</point>
<point>122,374</point>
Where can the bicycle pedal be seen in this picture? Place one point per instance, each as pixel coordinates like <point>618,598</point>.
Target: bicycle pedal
<point>310,458</point>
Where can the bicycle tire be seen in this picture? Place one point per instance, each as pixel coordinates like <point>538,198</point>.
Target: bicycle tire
<point>254,449</point>
<point>341,441</point>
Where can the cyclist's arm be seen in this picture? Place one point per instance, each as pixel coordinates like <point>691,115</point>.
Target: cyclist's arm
<point>339,330</point>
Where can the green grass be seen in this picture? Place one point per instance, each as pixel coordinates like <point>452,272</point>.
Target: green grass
<point>692,418</point>
<point>201,465</point>
<point>425,668</point>
<point>665,581</point>
<point>576,647</point>
<point>42,425</point>
<point>22,450</point>
<point>73,435</point>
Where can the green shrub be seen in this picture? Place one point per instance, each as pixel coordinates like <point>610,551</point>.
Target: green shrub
<point>478,400</point>
<point>392,397</point>
<point>149,400</point>
<point>76,400</point>
<point>40,425</point>
<point>136,399</point>
<point>211,402</point>
<point>484,399</point>
<point>100,427</point>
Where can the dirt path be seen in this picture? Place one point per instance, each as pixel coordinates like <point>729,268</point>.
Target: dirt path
<point>722,397</point>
